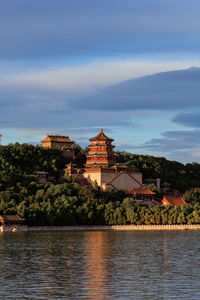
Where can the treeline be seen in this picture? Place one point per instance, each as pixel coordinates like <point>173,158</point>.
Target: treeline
<point>72,204</point>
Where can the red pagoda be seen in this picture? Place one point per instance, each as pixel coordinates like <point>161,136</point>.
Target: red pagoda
<point>101,152</point>
<point>101,166</point>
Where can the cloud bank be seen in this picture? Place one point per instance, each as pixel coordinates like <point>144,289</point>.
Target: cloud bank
<point>188,119</point>
<point>123,107</point>
<point>173,91</point>
<point>33,107</point>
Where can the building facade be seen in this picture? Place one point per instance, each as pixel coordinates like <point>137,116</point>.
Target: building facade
<point>60,142</point>
<point>143,195</point>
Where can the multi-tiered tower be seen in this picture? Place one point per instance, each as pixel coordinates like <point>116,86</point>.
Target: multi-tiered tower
<point>101,152</point>
<point>101,166</point>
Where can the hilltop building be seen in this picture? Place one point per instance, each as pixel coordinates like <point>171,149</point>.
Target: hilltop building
<point>61,142</point>
<point>101,166</point>
<point>101,152</point>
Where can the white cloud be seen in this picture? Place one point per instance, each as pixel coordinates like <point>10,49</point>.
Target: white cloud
<point>76,80</point>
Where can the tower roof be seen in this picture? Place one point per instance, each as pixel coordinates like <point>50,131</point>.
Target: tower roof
<point>101,137</point>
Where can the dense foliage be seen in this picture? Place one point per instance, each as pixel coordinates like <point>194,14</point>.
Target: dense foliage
<point>192,196</point>
<point>80,156</point>
<point>69,203</point>
<point>72,204</point>
<point>19,162</point>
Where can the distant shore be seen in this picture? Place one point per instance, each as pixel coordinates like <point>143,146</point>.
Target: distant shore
<point>99,228</point>
<point>114,228</point>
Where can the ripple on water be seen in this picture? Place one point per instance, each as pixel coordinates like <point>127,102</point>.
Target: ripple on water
<point>100,265</point>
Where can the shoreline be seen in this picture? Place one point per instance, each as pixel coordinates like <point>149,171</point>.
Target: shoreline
<point>99,228</point>
<point>115,228</point>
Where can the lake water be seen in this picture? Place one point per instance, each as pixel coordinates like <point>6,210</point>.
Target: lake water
<point>100,265</point>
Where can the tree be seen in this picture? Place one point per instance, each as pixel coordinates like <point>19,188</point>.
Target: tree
<point>192,195</point>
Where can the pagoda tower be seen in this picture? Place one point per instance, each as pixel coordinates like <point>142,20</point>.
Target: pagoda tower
<point>102,169</point>
<point>101,152</point>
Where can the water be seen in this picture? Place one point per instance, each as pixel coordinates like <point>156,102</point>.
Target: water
<point>100,265</point>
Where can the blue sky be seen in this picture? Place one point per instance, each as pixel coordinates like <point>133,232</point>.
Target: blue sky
<point>131,67</point>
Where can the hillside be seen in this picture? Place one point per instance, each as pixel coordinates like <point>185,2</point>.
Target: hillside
<point>68,203</point>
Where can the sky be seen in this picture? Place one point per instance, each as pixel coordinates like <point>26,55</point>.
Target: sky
<point>131,67</point>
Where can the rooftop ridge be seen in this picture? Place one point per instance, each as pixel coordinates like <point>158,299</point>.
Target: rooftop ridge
<point>59,138</point>
<point>101,136</point>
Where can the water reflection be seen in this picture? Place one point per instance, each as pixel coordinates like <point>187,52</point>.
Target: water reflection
<point>96,252</point>
<point>165,262</point>
<point>100,265</point>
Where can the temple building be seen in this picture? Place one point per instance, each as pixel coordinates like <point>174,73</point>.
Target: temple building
<point>101,152</point>
<point>143,195</point>
<point>101,166</point>
<point>61,142</point>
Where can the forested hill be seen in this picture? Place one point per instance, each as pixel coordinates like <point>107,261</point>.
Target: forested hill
<point>181,177</point>
<point>17,162</point>
<point>68,203</point>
